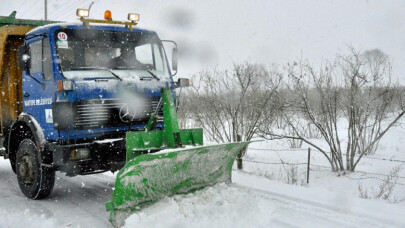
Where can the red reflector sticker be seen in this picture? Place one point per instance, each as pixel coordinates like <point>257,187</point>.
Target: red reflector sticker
<point>62,36</point>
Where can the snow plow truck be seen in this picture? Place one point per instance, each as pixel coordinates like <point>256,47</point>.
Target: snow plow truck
<point>95,96</point>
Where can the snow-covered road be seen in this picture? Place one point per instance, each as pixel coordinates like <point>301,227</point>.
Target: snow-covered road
<point>249,201</point>
<point>74,200</point>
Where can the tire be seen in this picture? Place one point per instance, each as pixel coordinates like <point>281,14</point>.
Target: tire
<point>12,163</point>
<point>35,181</point>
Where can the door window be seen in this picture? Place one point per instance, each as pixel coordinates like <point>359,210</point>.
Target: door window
<point>40,61</point>
<point>46,60</point>
<point>36,57</point>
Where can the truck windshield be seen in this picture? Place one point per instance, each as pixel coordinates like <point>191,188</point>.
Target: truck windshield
<point>86,53</point>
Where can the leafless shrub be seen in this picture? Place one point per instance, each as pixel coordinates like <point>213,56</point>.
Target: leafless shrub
<point>363,193</point>
<point>355,90</point>
<point>312,132</point>
<point>228,103</point>
<point>265,173</point>
<point>279,121</point>
<point>294,142</point>
<point>290,170</point>
<point>292,174</point>
<point>231,105</point>
<point>384,190</point>
<point>289,174</point>
<point>387,187</point>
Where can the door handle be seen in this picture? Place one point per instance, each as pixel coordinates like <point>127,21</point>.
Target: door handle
<point>26,94</point>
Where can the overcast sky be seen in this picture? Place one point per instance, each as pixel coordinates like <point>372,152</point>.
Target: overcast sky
<point>220,32</point>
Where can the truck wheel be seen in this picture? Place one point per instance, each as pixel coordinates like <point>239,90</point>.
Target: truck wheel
<point>36,181</point>
<point>12,163</point>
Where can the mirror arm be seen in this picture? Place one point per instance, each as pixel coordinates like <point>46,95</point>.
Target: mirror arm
<point>170,41</point>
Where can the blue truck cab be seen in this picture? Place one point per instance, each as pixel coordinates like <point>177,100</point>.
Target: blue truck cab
<point>83,87</point>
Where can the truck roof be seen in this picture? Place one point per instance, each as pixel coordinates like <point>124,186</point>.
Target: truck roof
<point>42,26</point>
<point>49,28</point>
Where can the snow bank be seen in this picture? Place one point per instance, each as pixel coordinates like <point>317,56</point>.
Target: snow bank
<point>258,202</point>
<point>224,205</point>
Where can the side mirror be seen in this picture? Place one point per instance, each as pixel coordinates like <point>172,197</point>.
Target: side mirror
<point>183,82</point>
<point>23,57</point>
<point>174,59</point>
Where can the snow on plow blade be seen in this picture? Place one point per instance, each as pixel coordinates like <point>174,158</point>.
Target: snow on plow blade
<point>150,177</point>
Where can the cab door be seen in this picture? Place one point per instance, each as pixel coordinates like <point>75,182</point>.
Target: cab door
<point>38,82</point>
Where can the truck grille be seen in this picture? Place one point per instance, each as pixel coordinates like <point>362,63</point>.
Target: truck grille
<point>90,114</point>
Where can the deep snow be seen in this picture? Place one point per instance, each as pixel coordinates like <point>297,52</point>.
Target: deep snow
<point>250,201</point>
<point>258,202</point>
<point>259,199</point>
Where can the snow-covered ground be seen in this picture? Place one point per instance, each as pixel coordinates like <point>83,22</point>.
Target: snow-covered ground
<point>264,158</point>
<point>74,202</point>
<point>258,202</point>
<point>250,201</point>
<point>258,197</point>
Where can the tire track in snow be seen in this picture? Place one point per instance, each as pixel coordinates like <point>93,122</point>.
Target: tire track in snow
<point>75,201</point>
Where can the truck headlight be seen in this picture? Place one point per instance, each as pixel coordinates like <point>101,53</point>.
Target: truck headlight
<point>65,85</point>
<point>79,154</point>
<point>134,17</point>
<point>82,13</point>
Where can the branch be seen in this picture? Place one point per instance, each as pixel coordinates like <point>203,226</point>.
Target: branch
<point>378,138</point>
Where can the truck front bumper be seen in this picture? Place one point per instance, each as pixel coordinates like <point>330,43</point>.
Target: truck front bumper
<point>105,155</point>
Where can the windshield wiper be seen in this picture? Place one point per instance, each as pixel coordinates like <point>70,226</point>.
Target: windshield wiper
<point>154,75</point>
<point>99,68</point>
<point>149,71</point>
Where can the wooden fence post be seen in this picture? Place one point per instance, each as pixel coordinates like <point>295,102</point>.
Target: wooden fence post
<point>308,164</point>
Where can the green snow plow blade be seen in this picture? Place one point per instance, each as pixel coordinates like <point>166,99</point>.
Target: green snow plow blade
<point>149,176</point>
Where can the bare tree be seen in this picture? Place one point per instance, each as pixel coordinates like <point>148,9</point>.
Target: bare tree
<point>354,92</point>
<point>382,94</point>
<point>370,102</point>
<point>231,105</point>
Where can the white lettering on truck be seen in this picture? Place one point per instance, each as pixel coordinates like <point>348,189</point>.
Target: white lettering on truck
<point>38,102</point>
